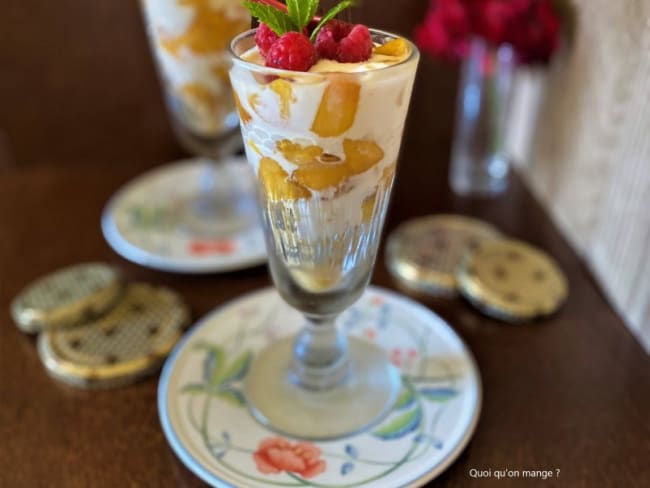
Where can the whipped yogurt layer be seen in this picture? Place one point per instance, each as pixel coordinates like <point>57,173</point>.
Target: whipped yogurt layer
<point>190,39</point>
<point>335,112</point>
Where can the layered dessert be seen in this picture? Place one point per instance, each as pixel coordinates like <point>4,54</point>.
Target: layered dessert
<point>322,126</point>
<point>190,40</point>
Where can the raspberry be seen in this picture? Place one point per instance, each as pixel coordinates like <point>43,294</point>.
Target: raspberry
<point>344,42</point>
<point>293,51</point>
<point>356,46</point>
<point>328,38</point>
<point>265,38</point>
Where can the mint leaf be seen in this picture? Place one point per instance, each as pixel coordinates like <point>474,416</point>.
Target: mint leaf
<point>334,11</point>
<point>301,12</point>
<point>278,21</point>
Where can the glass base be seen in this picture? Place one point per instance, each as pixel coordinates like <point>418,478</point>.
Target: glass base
<point>365,396</point>
<point>219,208</point>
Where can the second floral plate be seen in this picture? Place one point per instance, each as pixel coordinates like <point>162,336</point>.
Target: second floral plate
<point>204,417</point>
<point>152,220</point>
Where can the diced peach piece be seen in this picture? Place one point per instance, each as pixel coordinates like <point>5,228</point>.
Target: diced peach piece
<point>361,155</point>
<point>387,175</point>
<point>338,108</point>
<point>320,176</point>
<point>243,114</point>
<point>284,90</point>
<point>298,154</point>
<point>200,96</point>
<point>254,101</point>
<point>277,184</point>
<point>221,73</point>
<point>253,146</point>
<point>368,208</point>
<point>209,31</point>
<point>396,47</point>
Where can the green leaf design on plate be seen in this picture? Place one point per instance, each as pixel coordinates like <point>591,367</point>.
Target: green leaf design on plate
<point>438,395</point>
<point>193,388</point>
<point>232,396</point>
<point>400,425</point>
<point>405,399</point>
<point>213,363</point>
<point>237,369</point>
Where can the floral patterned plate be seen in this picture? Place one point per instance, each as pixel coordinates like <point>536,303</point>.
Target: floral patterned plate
<point>204,417</point>
<point>146,221</point>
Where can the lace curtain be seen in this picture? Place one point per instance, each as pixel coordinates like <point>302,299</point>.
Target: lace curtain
<point>590,162</point>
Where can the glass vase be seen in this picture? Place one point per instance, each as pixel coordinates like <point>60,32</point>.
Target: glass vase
<point>480,165</point>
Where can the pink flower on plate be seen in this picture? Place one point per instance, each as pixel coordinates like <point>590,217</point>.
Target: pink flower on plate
<point>216,246</point>
<point>275,455</point>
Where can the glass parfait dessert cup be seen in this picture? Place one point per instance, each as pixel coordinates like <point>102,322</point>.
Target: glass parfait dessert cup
<point>189,40</point>
<point>324,146</point>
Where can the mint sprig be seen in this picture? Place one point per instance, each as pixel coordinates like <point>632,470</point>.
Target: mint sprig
<point>333,12</point>
<point>278,21</point>
<point>299,13</point>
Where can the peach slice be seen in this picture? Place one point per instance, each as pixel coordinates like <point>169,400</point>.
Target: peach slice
<point>276,183</point>
<point>284,90</point>
<point>298,154</point>
<point>253,146</point>
<point>337,108</point>
<point>221,74</point>
<point>209,31</point>
<point>368,208</point>
<point>387,175</point>
<point>201,96</point>
<point>361,155</point>
<point>320,176</point>
<point>243,114</point>
<point>396,47</point>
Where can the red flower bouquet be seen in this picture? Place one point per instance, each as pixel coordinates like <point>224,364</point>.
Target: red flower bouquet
<point>532,27</point>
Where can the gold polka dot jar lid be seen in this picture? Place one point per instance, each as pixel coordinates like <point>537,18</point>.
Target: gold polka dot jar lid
<point>67,297</point>
<point>423,254</point>
<point>512,281</point>
<point>125,345</point>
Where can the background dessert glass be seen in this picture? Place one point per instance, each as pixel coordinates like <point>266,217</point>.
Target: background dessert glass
<point>324,147</point>
<point>189,39</point>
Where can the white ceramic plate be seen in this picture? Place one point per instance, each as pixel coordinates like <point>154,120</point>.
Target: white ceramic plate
<point>142,222</point>
<point>204,417</point>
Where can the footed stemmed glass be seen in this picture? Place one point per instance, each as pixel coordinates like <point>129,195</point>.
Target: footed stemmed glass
<point>324,146</point>
<point>189,39</point>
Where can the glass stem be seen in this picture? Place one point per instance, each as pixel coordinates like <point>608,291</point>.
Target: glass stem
<point>216,196</point>
<point>320,359</point>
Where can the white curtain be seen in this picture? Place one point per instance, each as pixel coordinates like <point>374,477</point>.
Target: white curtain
<point>590,161</point>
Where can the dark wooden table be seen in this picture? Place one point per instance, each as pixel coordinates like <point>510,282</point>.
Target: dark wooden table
<point>81,114</point>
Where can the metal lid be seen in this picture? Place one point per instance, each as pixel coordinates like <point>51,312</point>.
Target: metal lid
<point>67,297</point>
<point>129,343</point>
<point>423,254</point>
<point>512,281</point>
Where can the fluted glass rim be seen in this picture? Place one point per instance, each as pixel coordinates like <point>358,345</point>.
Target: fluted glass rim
<point>413,57</point>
